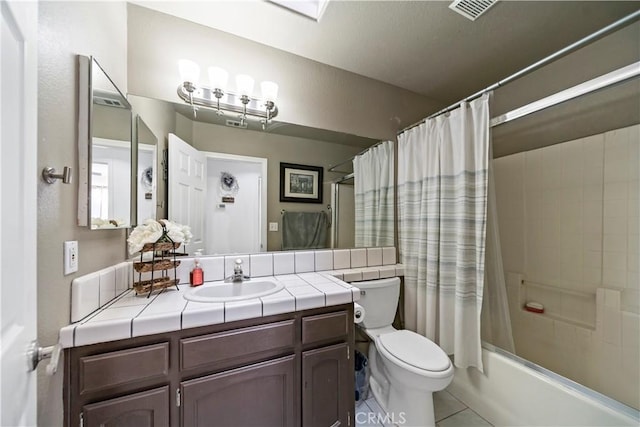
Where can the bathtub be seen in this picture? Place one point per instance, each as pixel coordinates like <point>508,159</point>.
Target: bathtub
<point>515,392</point>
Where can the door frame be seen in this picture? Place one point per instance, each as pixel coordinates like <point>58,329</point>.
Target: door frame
<point>263,162</point>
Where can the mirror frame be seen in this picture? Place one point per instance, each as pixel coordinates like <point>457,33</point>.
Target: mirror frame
<point>85,140</point>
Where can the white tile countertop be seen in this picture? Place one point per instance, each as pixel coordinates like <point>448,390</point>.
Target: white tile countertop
<point>130,315</point>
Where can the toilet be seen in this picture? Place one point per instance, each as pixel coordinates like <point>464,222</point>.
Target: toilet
<point>406,368</point>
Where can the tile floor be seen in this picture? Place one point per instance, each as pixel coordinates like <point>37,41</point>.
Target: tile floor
<point>449,412</point>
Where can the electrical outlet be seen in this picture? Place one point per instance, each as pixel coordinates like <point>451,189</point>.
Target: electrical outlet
<point>273,226</point>
<point>70,257</point>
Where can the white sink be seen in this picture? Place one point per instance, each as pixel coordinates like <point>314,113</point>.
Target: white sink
<point>223,292</point>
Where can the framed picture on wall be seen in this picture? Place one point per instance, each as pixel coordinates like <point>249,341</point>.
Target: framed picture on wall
<point>300,183</point>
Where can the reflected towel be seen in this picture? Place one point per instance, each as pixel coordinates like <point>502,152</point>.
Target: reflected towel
<point>304,230</point>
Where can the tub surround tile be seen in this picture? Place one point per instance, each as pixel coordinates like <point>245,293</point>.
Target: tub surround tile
<point>85,295</point>
<point>283,263</point>
<point>261,265</point>
<point>358,258</point>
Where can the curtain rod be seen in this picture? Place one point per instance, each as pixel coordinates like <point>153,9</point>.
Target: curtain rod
<point>332,168</point>
<point>629,19</point>
<point>620,75</point>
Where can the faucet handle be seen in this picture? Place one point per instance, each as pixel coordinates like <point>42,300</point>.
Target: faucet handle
<point>239,261</point>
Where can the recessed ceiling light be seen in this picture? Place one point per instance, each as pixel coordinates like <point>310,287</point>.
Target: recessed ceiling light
<point>310,8</point>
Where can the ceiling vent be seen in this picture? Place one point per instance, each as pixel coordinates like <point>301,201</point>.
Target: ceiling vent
<point>472,9</point>
<point>236,124</point>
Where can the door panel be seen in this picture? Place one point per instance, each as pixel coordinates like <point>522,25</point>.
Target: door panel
<point>145,409</point>
<point>325,384</point>
<point>187,188</point>
<point>18,195</point>
<point>260,395</point>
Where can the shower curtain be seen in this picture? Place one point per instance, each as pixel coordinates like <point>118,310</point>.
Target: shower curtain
<point>373,192</point>
<point>442,197</point>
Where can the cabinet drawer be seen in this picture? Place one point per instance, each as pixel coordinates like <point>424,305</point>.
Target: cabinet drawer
<point>325,327</point>
<point>230,348</point>
<point>123,367</point>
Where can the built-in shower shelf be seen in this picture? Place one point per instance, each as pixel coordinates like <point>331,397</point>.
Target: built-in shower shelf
<point>571,306</point>
<point>568,320</point>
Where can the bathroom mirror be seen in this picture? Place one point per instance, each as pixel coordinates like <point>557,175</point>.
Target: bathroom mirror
<point>280,142</point>
<point>104,150</point>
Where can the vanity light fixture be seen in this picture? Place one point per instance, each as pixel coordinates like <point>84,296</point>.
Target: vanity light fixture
<point>217,96</point>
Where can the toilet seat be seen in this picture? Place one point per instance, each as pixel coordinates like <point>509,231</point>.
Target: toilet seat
<point>414,352</point>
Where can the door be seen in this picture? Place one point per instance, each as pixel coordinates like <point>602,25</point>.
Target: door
<point>236,204</point>
<point>18,220</point>
<point>327,387</point>
<point>260,395</point>
<point>145,409</point>
<point>187,189</point>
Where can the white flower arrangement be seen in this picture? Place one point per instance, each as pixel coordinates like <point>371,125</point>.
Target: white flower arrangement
<point>151,231</point>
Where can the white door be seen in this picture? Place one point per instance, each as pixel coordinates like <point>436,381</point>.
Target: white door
<point>236,215</point>
<point>18,218</point>
<point>187,189</point>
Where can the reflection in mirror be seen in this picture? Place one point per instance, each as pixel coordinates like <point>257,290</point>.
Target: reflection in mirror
<point>280,142</point>
<point>104,150</point>
<point>147,171</point>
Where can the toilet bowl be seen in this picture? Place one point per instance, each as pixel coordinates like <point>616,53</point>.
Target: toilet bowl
<point>406,368</point>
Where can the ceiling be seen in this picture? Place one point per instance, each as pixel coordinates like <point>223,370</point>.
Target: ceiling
<point>421,46</point>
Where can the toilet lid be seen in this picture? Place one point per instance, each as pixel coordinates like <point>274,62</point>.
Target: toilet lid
<point>415,350</point>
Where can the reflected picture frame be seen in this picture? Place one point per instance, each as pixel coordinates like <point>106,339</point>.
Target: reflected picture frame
<point>300,183</point>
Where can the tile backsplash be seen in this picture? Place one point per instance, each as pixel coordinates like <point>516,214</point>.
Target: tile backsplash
<point>94,290</point>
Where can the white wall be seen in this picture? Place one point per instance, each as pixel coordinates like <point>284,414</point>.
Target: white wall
<point>569,226</point>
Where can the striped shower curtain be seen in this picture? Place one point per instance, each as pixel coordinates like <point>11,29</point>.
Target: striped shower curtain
<point>442,197</point>
<point>374,193</point>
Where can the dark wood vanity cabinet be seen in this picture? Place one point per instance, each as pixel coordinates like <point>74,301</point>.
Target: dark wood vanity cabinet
<point>294,369</point>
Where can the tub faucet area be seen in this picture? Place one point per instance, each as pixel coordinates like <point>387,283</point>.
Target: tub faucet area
<point>238,275</point>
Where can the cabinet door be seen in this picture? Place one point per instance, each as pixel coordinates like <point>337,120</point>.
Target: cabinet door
<point>257,395</point>
<point>327,386</point>
<point>148,408</point>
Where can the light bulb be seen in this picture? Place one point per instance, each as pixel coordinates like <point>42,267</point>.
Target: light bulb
<point>218,78</point>
<point>269,91</point>
<point>189,71</point>
<point>244,84</point>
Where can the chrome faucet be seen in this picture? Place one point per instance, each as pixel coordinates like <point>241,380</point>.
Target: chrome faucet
<point>238,275</point>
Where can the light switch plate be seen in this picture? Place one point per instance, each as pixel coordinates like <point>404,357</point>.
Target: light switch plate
<point>70,257</point>
<point>273,226</point>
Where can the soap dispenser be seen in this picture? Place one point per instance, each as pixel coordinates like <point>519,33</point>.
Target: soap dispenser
<point>196,277</point>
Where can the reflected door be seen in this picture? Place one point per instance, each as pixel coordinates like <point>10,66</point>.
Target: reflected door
<point>187,189</point>
<point>234,206</point>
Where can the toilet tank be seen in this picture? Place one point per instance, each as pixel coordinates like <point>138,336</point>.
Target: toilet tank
<point>380,301</point>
